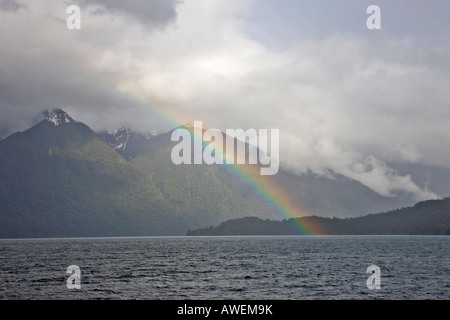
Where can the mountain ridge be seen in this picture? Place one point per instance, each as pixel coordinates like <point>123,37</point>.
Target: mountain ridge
<point>60,178</point>
<point>65,181</point>
<point>430,217</point>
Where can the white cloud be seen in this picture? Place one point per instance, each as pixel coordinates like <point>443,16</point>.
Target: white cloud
<point>349,102</point>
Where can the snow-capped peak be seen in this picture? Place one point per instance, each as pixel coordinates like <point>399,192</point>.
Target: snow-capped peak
<point>125,141</point>
<point>57,117</point>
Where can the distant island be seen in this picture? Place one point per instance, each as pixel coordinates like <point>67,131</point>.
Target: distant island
<point>430,217</point>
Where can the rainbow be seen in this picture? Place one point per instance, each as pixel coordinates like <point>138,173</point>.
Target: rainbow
<point>277,197</point>
<point>265,187</point>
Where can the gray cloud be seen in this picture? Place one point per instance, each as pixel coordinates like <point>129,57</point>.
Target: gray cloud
<point>154,13</point>
<point>281,26</point>
<point>10,5</point>
<point>344,99</point>
<point>44,65</point>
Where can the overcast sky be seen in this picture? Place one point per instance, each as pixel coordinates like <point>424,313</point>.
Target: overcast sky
<point>344,97</point>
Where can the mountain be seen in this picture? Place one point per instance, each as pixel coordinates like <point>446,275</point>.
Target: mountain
<point>333,195</point>
<point>127,142</point>
<point>430,217</point>
<point>59,178</point>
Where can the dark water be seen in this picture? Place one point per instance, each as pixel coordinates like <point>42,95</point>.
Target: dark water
<point>412,267</point>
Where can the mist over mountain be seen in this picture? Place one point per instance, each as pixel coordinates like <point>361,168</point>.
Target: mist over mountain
<point>4,132</point>
<point>59,178</point>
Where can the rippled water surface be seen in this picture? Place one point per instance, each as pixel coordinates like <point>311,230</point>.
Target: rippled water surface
<point>304,267</point>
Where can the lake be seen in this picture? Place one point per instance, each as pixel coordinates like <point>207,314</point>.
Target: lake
<point>253,267</point>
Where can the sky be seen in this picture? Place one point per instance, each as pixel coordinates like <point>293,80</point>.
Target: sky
<point>345,98</point>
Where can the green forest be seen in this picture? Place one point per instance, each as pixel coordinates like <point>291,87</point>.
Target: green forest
<point>430,217</point>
